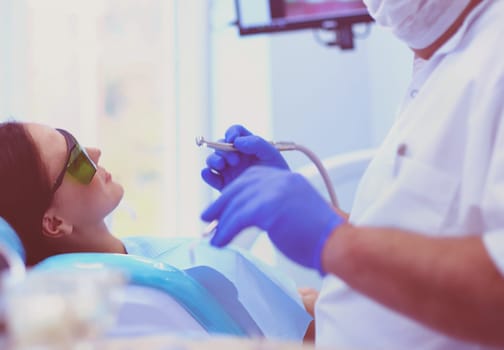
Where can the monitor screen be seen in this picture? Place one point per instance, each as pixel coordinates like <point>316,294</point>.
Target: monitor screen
<point>268,16</point>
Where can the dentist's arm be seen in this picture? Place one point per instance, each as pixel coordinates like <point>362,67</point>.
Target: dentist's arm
<point>449,284</point>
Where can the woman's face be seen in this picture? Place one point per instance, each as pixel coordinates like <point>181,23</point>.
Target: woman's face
<point>81,205</point>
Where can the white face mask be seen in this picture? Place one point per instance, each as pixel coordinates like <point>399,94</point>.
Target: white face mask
<point>418,23</point>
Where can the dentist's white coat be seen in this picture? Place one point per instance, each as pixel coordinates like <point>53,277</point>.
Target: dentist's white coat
<point>440,172</point>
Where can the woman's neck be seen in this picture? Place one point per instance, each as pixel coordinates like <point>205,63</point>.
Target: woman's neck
<point>91,239</point>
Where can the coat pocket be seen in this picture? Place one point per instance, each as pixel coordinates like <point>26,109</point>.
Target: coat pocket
<point>408,194</point>
<point>421,195</point>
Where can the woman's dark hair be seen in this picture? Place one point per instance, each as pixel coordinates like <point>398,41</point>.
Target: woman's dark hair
<point>25,190</point>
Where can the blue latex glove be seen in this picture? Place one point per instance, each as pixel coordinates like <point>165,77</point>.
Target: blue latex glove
<point>297,218</point>
<point>224,167</point>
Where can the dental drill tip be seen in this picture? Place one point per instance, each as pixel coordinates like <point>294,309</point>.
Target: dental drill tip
<point>199,140</point>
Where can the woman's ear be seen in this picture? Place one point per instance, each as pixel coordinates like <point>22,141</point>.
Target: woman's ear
<point>54,226</point>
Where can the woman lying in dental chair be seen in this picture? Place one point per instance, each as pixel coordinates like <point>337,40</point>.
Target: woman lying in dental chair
<point>55,195</point>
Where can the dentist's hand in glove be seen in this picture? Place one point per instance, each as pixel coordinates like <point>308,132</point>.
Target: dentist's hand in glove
<point>224,167</point>
<point>297,218</point>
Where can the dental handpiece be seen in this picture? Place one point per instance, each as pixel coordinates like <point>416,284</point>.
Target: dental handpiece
<point>229,147</point>
<point>281,146</point>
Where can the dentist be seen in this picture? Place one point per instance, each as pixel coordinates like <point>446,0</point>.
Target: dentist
<point>422,253</point>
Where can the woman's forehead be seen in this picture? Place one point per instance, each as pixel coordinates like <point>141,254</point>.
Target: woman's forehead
<point>51,146</point>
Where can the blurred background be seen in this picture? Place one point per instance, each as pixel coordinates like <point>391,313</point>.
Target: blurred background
<point>141,79</point>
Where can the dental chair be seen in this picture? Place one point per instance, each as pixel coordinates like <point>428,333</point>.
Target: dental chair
<point>11,250</point>
<point>157,298</point>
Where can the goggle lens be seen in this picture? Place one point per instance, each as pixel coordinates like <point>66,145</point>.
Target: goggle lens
<point>80,166</point>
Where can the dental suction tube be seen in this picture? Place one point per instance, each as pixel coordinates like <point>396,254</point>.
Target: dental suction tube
<point>281,146</point>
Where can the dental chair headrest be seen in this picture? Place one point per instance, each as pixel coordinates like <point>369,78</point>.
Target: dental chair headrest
<point>10,240</point>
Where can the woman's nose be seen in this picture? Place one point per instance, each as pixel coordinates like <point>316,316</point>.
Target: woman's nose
<point>94,154</point>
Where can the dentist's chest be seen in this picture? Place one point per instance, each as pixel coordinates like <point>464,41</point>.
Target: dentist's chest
<point>415,180</point>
